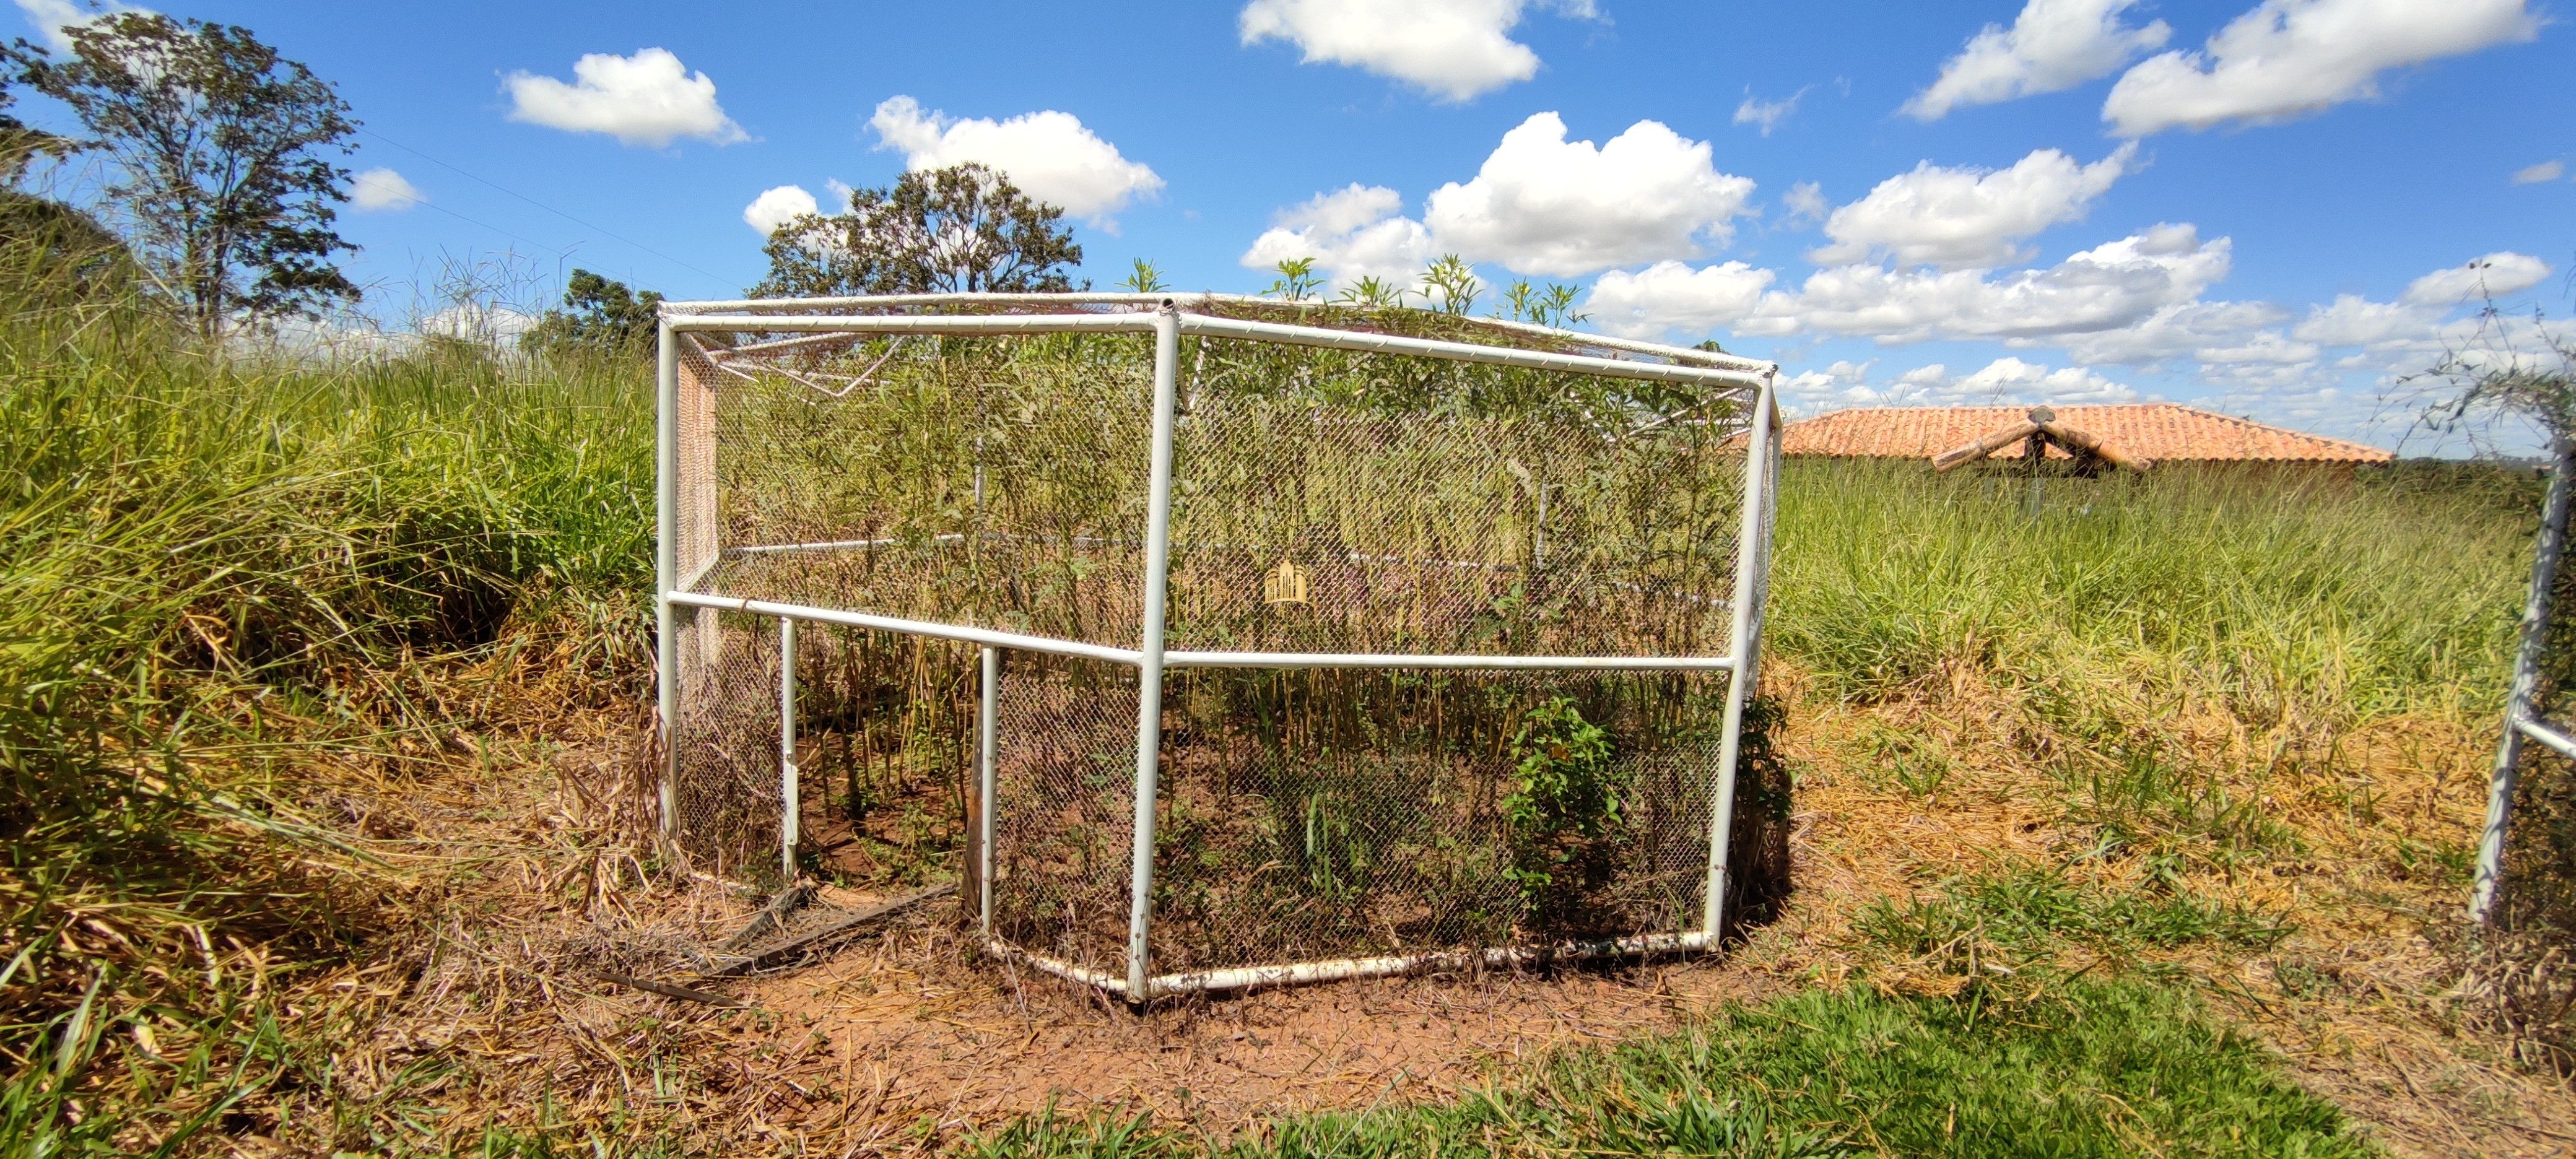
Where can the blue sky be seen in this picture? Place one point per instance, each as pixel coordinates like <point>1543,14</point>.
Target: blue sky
<point>2271,209</point>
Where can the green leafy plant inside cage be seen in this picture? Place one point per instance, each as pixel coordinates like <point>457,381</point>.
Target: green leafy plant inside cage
<point>1567,831</point>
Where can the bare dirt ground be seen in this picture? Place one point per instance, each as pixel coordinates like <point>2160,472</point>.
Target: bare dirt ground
<point>910,1024</point>
<point>901,1037</point>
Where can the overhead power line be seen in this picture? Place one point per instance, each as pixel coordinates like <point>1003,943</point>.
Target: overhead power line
<point>461,171</point>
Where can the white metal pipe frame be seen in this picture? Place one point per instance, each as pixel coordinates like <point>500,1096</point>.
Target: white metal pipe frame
<point>1167,319</point>
<point>2520,718</point>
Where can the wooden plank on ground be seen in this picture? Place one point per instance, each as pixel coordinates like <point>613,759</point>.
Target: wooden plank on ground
<point>783,950</point>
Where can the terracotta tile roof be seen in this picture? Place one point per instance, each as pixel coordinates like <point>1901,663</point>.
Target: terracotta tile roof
<point>2161,431</point>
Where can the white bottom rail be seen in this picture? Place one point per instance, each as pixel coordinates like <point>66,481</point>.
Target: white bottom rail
<point>1348,969</point>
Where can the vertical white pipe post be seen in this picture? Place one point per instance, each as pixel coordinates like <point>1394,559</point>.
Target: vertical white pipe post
<point>987,726</point>
<point>1149,668</point>
<point>666,567</point>
<point>2526,680</point>
<point>1739,679</point>
<point>789,807</point>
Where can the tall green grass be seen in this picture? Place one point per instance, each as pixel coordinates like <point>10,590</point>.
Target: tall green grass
<point>2320,595</point>
<point>208,563</point>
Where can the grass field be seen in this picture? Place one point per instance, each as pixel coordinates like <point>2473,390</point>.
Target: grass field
<point>254,616</point>
<point>2320,595</point>
<point>221,578</point>
<point>2100,1070</point>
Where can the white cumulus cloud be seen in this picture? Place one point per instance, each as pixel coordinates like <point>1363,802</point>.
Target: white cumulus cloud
<point>2287,57</point>
<point>1806,204</point>
<point>1767,115</point>
<point>2256,355</point>
<point>1669,296</point>
<point>649,98</point>
<point>1354,232</point>
<point>2112,285</point>
<point>2052,45</point>
<point>52,18</point>
<point>2497,274</point>
<point>2011,380</point>
<point>1453,49</point>
<point>2353,320</point>
<point>383,190</point>
<point>1958,218</point>
<point>777,207</point>
<point>1839,384</point>
<point>1049,154</point>
<point>2206,331</point>
<point>2252,344</point>
<point>2006,380</point>
<point>2545,171</point>
<point>1544,205</point>
<point>1539,205</point>
<point>2255,346</point>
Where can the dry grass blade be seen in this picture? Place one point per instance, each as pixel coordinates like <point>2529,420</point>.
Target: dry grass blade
<point>670,990</point>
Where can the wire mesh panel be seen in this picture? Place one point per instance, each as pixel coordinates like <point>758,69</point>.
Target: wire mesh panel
<point>1065,808</point>
<point>993,481</point>
<point>1351,502</point>
<point>724,745</point>
<point>1369,513</point>
<point>1341,813</point>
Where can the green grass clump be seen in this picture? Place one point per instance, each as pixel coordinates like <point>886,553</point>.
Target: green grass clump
<point>2007,923</point>
<point>2089,1069</point>
<point>2279,596</point>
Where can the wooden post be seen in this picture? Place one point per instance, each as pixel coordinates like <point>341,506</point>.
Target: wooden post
<point>2075,440</point>
<point>2033,450</point>
<point>1982,447</point>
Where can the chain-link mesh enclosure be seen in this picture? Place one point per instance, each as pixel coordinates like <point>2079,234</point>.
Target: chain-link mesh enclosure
<point>2521,982</point>
<point>1445,618</point>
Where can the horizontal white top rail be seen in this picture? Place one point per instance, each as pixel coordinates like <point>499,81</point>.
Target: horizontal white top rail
<point>1329,338</point>
<point>1148,302</point>
<point>1200,324</point>
<point>916,323</point>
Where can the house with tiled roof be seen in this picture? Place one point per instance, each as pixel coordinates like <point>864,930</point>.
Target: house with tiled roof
<point>2158,432</point>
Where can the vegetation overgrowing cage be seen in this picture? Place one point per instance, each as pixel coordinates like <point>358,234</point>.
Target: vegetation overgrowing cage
<point>1227,641</point>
